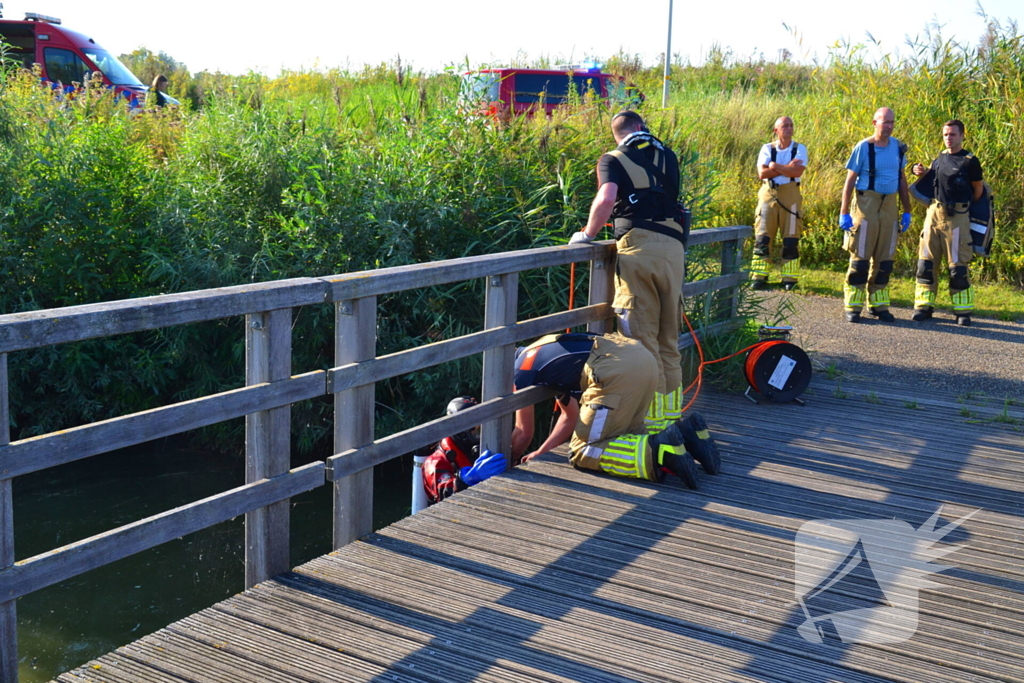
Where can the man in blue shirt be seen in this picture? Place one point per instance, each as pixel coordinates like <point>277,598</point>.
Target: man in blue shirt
<point>875,171</point>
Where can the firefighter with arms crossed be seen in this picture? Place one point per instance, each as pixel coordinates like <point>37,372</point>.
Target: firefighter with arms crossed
<point>638,187</point>
<point>957,183</point>
<point>875,171</point>
<point>608,383</point>
<point>780,166</point>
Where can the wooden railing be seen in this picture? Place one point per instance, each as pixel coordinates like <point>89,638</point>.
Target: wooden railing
<point>271,388</point>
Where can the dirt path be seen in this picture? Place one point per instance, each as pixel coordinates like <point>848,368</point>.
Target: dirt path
<point>986,358</point>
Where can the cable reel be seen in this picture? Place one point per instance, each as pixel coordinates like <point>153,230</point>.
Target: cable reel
<point>775,368</point>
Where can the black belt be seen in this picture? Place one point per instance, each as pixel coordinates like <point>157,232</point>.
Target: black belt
<point>628,224</point>
<point>773,184</point>
<point>860,193</point>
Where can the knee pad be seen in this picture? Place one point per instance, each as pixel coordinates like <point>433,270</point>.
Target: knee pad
<point>925,272</point>
<point>790,250</point>
<point>884,270</point>
<point>858,274</point>
<point>762,245</point>
<point>958,278</point>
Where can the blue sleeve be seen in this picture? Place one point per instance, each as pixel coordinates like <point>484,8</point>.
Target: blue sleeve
<point>857,158</point>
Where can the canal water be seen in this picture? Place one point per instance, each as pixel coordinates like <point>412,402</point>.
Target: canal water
<point>67,624</point>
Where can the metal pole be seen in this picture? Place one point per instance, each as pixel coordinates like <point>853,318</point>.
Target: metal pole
<point>668,59</point>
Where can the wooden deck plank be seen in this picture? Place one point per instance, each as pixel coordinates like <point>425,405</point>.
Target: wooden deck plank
<point>556,575</point>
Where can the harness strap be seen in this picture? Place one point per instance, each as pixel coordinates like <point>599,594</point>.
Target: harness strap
<point>627,224</point>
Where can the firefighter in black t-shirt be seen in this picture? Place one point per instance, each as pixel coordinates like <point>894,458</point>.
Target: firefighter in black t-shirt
<point>957,181</point>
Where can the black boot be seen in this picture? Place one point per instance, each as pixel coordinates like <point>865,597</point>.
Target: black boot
<point>669,449</point>
<point>699,443</point>
<point>922,314</point>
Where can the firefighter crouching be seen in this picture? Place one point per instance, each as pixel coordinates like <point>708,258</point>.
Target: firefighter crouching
<point>954,185</point>
<point>604,418</point>
<point>780,165</point>
<point>454,465</point>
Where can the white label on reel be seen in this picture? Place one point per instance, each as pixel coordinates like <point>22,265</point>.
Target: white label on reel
<point>782,372</point>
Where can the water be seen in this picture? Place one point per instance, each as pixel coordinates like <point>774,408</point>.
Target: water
<point>69,623</point>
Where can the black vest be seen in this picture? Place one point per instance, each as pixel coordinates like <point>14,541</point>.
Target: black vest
<point>952,183</point>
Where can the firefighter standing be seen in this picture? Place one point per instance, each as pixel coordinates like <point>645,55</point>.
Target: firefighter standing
<point>947,230</point>
<point>875,170</point>
<point>638,187</point>
<point>780,166</point>
<point>605,418</point>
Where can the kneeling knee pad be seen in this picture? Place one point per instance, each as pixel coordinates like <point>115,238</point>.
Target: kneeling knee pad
<point>790,248</point>
<point>925,272</point>
<point>884,270</point>
<point>762,245</point>
<point>858,274</point>
<point>958,278</point>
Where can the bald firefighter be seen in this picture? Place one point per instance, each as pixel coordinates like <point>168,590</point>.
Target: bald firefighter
<point>607,384</point>
<point>956,185</point>
<point>875,171</point>
<point>638,188</point>
<point>780,165</point>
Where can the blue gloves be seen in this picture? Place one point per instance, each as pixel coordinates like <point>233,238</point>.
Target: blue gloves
<point>580,237</point>
<point>485,467</point>
<point>845,221</point>
<point>905,222</point>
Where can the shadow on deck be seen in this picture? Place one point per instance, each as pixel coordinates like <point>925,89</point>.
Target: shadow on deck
<point>550,574</point>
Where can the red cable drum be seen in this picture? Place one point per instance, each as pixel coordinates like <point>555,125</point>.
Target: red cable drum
<point>778,370</point>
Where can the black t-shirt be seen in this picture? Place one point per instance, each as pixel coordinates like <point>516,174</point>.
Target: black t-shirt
<point>610,170</point>
<point>554,361</point>
<point>954,173</point>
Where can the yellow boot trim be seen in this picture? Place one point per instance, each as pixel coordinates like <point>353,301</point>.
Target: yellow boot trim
<point>655,417</point>
<point>879,298</point>
<point>673,405</point>
<point>923,297</point>
<point>963,302</point>
<point>791,270</point>
<point>853,297</point>
<point>758,268</point>
<point>626,456</point>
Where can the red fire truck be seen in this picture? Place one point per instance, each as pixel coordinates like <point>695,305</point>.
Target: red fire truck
<point>66,56</point>
<point>505,92</point>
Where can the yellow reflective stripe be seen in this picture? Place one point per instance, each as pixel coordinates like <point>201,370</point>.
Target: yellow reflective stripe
<point>880,298</point>
<point>790,267</point>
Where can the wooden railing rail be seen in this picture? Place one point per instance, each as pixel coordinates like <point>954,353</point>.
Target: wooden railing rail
<point>271,389</point>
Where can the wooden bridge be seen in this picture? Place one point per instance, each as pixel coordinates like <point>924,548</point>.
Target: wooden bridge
<point>544,573</point>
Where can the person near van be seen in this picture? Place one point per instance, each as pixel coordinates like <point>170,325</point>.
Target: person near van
<point>957,182</point>
<point>607,383</point>
<point>158,91</point>
<point>780,166</point>
<point>875,171</point>
<point>638,187</point>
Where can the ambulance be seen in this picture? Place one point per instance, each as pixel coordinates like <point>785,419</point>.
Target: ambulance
<point>66,57</point>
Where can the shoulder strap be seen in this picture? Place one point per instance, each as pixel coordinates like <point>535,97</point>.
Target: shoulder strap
<point>871,166</point>
<point>774,151</point>
<point>638,175</point>
<point>903,153</point>
<point>792,154</point>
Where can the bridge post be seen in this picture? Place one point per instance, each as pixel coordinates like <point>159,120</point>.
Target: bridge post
<point>731,256</point>
<point>501,308</point>
<point>602,289</point>
<point>355,340</point>
<point>268,358</point>
<point>8,613</point>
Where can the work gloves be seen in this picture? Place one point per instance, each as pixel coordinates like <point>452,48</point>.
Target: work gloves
<point>904,222</point>
<point>845,221</point>
<point>580,237</point>
<point>485,467</point>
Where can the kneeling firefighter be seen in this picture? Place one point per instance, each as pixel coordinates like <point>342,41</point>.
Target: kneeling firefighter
<point>455,465</point>
<point>958,224</point>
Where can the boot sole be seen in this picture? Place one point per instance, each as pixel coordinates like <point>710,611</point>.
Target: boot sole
<point>703,450</point>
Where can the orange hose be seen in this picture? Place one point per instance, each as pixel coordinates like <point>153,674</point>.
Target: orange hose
<point>700,368</point>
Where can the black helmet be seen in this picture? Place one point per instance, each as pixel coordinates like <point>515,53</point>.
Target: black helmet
<point>459,404</point>
<point>468,440</point>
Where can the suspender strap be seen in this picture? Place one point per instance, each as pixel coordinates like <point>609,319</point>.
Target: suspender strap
<point>871,166</point>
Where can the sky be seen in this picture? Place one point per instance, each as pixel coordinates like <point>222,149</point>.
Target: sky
<point>235,37</point>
